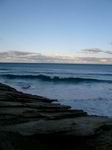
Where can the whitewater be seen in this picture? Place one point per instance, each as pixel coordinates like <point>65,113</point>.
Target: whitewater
<point>86,87</point>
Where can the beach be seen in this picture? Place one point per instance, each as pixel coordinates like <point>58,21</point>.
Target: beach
<point>35,122</point>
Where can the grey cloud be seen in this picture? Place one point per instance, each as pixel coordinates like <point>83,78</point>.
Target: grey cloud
<point>18,56</point>
<point>95,60</point>
<point>92,50</point>
<point>108,52</point>
<point>28,57</point>
<point>96,50</point>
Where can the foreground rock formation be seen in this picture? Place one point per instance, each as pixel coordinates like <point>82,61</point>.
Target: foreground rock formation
<point>34,122</point>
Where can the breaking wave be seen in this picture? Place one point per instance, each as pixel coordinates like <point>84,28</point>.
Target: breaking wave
<point>56,78</point>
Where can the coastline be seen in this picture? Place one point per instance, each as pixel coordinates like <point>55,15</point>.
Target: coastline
<point>31,122</point>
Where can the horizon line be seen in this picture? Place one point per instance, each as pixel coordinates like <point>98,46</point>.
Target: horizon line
<point>56,63</point>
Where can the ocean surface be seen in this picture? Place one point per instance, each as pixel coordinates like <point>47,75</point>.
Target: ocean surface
<point>86,87</point>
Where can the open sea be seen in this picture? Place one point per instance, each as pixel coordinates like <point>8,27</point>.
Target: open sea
<point>86,87</point>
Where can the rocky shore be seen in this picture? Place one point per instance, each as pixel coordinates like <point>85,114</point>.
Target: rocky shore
<point>34,122</point>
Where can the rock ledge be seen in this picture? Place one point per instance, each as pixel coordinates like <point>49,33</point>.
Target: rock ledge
<point>34,122</point>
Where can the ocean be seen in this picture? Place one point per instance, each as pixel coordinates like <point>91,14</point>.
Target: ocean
<point>81,86</point>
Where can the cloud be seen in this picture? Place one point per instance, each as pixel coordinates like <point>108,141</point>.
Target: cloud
<point>96,51</point>
<point>108,52</point>
<point>28,57</point>
<point>96,60</point>
<point>92,50</point>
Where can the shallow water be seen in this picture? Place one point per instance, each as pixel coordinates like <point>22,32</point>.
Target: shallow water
<point>87,87</point>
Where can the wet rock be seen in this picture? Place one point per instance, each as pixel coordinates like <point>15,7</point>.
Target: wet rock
<point>27,120</point>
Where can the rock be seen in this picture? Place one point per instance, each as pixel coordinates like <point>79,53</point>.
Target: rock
<point>27,121</point>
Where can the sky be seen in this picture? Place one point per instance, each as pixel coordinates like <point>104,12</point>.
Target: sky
<point>76,31</point>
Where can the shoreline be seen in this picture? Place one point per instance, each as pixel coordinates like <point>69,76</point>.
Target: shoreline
<point>30,121</point>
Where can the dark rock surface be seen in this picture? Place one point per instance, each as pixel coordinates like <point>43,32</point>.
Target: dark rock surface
<point>34,122</point>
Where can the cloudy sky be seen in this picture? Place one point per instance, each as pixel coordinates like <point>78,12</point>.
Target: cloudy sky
<point>58,31</point>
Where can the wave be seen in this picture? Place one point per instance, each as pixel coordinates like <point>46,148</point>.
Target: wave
<point>56,78</point>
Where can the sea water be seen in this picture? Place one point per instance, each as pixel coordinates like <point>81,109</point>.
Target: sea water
<point>81,86</point>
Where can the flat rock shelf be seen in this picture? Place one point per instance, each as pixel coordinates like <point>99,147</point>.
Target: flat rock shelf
<point>34,122</point>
